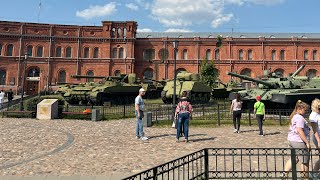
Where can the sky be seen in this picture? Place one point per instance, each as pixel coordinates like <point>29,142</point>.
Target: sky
<point>282,16</point>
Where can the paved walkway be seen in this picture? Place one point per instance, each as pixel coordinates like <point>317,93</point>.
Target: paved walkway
<point>70,149</point>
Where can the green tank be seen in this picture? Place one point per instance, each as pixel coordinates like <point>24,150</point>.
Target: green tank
<point>279,92</point>
<point>154,89</point>
<point>198,92</point>
<point>63,88</point>
<point>222,90</point>
<point>79,94</point>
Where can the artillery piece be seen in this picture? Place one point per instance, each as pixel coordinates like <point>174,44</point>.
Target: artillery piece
<point>198,92</point>
<point>277,92</point>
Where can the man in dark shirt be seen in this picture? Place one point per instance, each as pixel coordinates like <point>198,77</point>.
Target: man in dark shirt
<point>10,97</point>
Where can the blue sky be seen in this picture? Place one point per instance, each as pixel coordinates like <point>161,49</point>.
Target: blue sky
<point>173,15</point>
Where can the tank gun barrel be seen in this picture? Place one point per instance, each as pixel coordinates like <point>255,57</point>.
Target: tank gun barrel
<point>270,85</point>
<point>298,71</point>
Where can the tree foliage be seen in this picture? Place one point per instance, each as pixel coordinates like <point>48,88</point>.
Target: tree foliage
<point>208,73</point>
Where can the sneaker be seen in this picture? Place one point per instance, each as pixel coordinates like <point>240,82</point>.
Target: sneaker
<point>238,131</point>
<point>235,131</point>
<point>137,137</point>
<point>177,140</point>
<point>144,138</point>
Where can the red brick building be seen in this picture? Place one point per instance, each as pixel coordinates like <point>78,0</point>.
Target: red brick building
<point>58,51</point>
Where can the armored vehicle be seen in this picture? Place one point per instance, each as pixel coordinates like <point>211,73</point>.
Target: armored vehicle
<point>278,92</point>
<point>222,90</point>
<point>79,93</point>
<point>114,89</point>
<point>198,92</point>
<point>63,88</point>
<point>153,90</point>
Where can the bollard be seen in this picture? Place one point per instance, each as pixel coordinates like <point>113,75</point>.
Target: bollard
<point>219,115</point>
<point>249,117</point>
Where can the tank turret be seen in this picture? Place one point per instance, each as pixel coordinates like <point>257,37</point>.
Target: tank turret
<point>258,81</point>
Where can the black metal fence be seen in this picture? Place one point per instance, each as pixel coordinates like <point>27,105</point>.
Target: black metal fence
<point>232,163</point>
<point>215,113</point>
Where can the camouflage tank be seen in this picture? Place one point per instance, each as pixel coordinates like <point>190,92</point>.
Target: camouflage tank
<point>79,93</point>
<point>198,92</point>
<point>63,88</point>
<point>278,92</point>
<point>222,90</point>
<point>153,91</point>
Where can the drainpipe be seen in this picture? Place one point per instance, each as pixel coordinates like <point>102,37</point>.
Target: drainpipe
<point>78,52</point>
<point>20,49</point>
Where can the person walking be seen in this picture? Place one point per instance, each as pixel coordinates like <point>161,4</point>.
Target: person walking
<point>183,114</point>
<point>1,99</point>
<point>235,110</point>
<point>299,137</point>
<point>314,119</point>
<point>260,112</point>
<point>139,108</point>
<point>10,97</point>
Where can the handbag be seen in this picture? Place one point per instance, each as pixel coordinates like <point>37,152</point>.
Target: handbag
<point>174,123</point>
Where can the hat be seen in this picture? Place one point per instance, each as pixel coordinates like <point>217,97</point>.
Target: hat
<point>141,90</point>
<point>258,98</point>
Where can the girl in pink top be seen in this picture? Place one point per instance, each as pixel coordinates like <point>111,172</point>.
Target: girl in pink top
<point>299,138</point>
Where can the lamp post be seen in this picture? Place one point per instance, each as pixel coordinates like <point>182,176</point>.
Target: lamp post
<point>175,48</point>
<point>23,79</point>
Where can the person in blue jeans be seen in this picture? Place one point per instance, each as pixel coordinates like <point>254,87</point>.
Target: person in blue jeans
<point>183,114</point>
<point>139,108</point>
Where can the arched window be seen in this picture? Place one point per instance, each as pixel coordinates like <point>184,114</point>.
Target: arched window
<point>9,50</point>
<point>117,72</point>
<point>185,54</point>
<point>121,52</point>
<point>311,73</point>
<point>62,77</point>
<point>148,73</point>
<point>124,32</point>
<point>282,54</point>
<point>86,52</point>
<point>90,73</point>
<point>0,49</point>
<point>273,54</point>
<point>279,72</point>
<point>113,32</point>
<point>40,51</point>
<point>148,54</point>
<point>3,75</point>
<point>29,50</point>
<point>305,55</point>
<point>314,55</point>
<point>96,52</point>
<point>217,54</point>
<point>34,72</point>
<point>208,54</point>
<point>246,72</point>
<point>250,54</point>
<point>114,53</point>
<point>58,51</point>
<point>68,52</point>
<point>240,54</point>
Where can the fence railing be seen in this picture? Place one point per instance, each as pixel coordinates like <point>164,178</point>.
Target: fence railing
<point>232,163</point>
<point>216,113</point>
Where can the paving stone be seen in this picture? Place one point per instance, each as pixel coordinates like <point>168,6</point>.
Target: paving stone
<point>74,148</point>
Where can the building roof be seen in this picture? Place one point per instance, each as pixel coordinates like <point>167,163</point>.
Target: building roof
<point>224,34</point>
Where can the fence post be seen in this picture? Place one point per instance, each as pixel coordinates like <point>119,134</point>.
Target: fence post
<point>202,111</point>
<point>103,113</point>
<point>67,108</point>
<point>280,118</point>
<point>155,172</point>
<point>157,115</point>
<point>294,164</point>
<point>124,111</point>
<point>219,115</point>
<point>249,117</point>
<point>206,164</point>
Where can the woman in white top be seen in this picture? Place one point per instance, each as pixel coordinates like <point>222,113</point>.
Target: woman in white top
<point>315,124</point>
<point>236,111</point>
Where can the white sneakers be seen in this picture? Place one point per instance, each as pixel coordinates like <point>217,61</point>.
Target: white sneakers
<point>144,138</point>
<point>235,131</point>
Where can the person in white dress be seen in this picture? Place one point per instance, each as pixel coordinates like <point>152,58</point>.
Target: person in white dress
<point>1,98</point>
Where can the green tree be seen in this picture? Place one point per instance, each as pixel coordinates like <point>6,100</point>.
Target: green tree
<point>208,73</point>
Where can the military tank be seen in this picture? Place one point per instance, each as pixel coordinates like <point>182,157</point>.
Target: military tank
<point>278,92</point>
<point>63,88</point>
<point>198,92</point>
<point>222,90</point>
<point>114,89</point>
<point>79,94</point>
<point>153,90</point>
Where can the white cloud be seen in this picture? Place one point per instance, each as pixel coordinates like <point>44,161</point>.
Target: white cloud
<point>184,13</point>
<point>97,11</point>
<point>144,30</point>
<point>177,30</point>
<point>132,6</point>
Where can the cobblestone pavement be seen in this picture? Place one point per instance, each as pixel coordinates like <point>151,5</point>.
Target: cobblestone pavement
<point>108,148</point>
